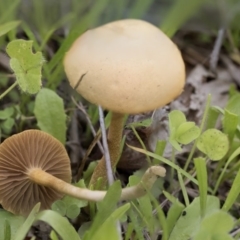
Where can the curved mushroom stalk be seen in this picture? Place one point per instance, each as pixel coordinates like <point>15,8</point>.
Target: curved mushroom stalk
<point>45,179</point>
<point>34,167</point>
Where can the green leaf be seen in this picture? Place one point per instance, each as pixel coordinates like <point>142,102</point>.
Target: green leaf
<point>60,224</point>
<point>233,193</point>
<point>109,230</point>
<point>144,206</point>
<point>7,125</point>
<point>233,105</point>
<point>5,28</point>
<point>49,111</point>
<point>216,226</point>
<point>59,206</point>
<point>23,230</point>
<point>201,169</point>
<point>53,235</point>
<point>175,144</point>
<point>218,222</point>
<point>173,214</point>
<point>15,222</point>
<point>7,230</point>
<point>176,118</point>
<point>187,132</point>
<point>26,65</point>
<point>214,144</point>
<point>189,222</point>
<point>105,208</point>
<point>73,211</point>
<point>160,147</point>
<point>6,113</point>
<point>212,117</point>
<point>230,123</point>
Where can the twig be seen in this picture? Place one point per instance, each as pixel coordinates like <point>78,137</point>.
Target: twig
<point>89,150</point>
<point>82,109</point>
<point>216,50</point>
<point>105,147</point>
<point>75,153</point>
<point>8,90</point>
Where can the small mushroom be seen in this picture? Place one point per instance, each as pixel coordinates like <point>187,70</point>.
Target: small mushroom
<point>34,167</point>
<point>128,67</point>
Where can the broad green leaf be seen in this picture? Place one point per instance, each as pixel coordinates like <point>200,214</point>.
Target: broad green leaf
<point>7,125</point>
<point>218,222</point>
<point>201,169</point>
<point>213,143</point>
<point>187,132</point>
<point>176,118</point>
<point>233,105</point>
<point>73,211</point>
<point>15,222</point>
<point>109,230</point>
<point>136,225</point>
<point>53,235</point>
<point>230,123</point>
<point>216,236</point>
<point>7,230</point>
<point>23,230</point>
<point>216,226</point>
<point>60,224</point>
<point>175,144</point>
<point>160,147</point>
<point>5,28</point>
<point>59,206</point>
<point>26,65</point>
<point>212,117</point>
<point>49,111</point>
<point>173,214</point>
<point>189,222</point>
<point>105,208</point>
<point>6,113</point>
<point>233,193</point>
<point>143,205</point>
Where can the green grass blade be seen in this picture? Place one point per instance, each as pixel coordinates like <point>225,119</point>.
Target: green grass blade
<point>60,224</point>
<point>181,11</point>
<point>200,165</point>
<point>166,161</point>
<point>233,193</point>
<point>23,230</point>
<point>184,191</point>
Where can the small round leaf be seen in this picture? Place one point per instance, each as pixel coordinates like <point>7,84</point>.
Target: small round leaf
<point>187,132</point>
<point>214,144</point>
<point>60,207</point>
<point>73,211</point>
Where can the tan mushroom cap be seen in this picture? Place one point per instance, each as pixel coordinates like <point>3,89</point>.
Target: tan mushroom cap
<point>24,151</point>
<point>131,66</point>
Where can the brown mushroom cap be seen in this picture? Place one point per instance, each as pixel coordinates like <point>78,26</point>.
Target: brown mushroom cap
<point>22,152</point>
<point>130,66</point>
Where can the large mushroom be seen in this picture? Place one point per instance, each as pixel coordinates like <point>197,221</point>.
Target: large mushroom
<point>34,167</point>
<point>128,67</point>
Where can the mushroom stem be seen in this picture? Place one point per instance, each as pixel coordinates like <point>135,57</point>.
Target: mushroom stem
<point>41,177</point>
<point>114,144</point>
